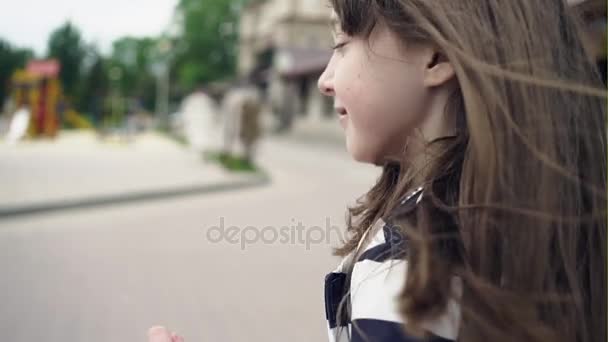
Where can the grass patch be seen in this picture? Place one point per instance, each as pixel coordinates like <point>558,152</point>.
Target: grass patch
<point>180,140</point>
<point>230,162</point>
<point>227,161</point>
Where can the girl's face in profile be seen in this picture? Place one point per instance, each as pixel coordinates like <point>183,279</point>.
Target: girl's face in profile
<point>379,92</point>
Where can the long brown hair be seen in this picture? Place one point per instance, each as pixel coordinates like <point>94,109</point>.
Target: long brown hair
<point>515,205</point>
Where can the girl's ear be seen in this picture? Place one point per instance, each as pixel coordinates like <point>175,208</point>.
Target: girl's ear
<point>438,71</point>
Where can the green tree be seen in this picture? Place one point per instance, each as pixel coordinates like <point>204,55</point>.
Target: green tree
<point>11,59</point>
<point>66,45</point>
<point>93,86</point>
<point>207,50</point>
<point>134,57</point>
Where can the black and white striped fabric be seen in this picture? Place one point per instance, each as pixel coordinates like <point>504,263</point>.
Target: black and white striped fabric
<point>376,279</point>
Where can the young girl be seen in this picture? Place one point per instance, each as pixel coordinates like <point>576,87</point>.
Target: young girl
<point>488,221</point>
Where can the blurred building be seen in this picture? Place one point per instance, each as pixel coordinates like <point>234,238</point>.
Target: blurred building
<point>284,46</point>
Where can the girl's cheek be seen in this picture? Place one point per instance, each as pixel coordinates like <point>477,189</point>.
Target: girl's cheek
<point>355,90</point>
<point>347,76</point>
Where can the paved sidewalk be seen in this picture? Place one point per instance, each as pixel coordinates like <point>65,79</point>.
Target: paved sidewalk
<point>110,273</point>
<point>78,170</point>
<point>326,132</point>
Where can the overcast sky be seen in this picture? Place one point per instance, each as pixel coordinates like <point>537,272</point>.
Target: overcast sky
<point>28,23</point>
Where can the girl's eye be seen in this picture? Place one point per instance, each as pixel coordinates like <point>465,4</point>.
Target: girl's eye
<point>339,46</point>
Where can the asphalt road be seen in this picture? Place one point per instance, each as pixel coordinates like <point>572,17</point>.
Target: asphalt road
<point>109,273</point>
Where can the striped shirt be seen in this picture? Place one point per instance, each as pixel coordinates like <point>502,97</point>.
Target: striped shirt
<point>377,278</point>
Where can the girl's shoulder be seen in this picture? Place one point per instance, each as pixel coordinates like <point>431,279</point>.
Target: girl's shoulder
<point>383,240</point>
<point>386,240</point>
<point>371,279</point>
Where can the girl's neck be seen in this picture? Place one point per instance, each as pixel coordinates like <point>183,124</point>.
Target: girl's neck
<point>419,157</point>
<point>422,146</point>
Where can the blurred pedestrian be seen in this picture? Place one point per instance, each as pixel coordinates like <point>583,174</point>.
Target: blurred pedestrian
<point>231,123</point>
<point>199,112</point>
<point>241,111</point>
<point>250,126</point>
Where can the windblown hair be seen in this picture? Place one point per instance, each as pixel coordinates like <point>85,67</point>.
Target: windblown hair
<point>515,205</point>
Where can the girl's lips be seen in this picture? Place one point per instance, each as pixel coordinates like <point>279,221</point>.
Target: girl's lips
<point>341,111</point>
<point>342,116</point>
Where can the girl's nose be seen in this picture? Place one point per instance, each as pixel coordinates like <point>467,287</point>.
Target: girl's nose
<point>325,84</point>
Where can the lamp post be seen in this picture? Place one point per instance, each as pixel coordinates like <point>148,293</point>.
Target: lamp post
<point>115,101</point>
<point>161,69</point>
<point>164,54</point>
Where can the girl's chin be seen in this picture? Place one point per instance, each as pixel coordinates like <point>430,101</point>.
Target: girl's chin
<point>360,155</point>
<point>343,121</point>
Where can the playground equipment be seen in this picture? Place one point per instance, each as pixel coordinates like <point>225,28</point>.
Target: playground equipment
<point>38,88</point>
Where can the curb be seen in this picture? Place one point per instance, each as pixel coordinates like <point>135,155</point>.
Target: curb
<point>109,200</point>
